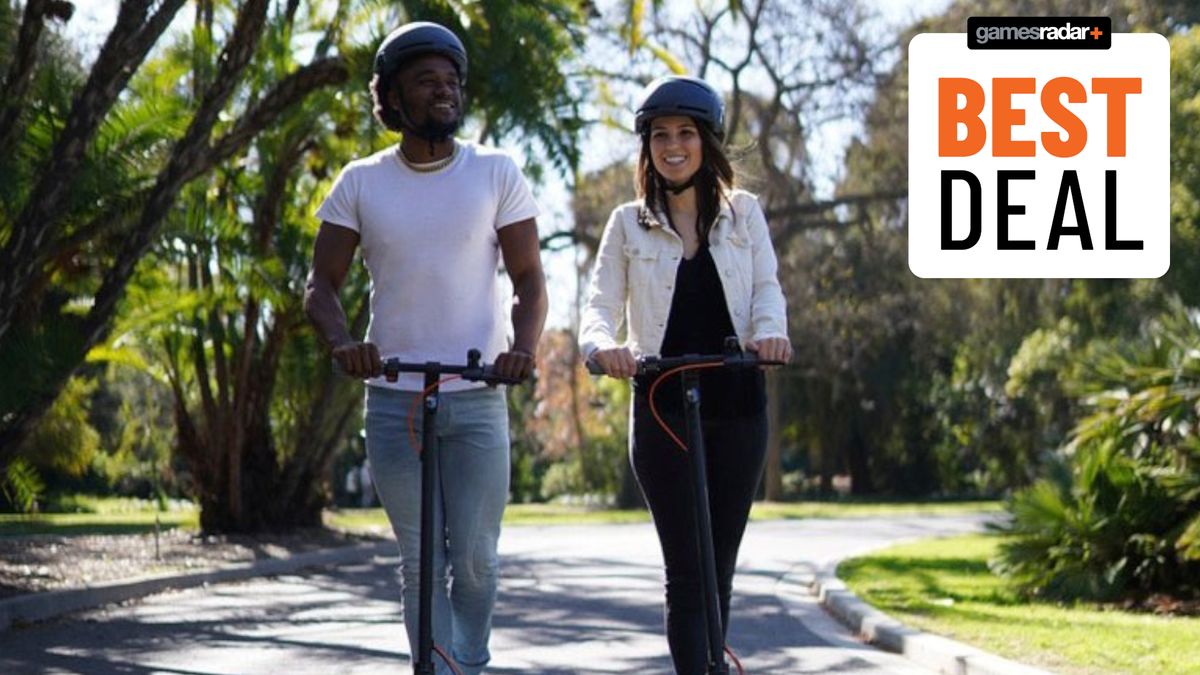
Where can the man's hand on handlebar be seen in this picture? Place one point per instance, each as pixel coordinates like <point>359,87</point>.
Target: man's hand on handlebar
<point>358,359</point>
<point>516,365</point>
<point>616,362</point>
<point>771,349</point>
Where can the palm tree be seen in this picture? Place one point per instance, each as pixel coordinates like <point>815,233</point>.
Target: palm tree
<point>75,241</point>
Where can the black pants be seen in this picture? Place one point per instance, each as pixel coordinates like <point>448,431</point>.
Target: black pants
<point>736,451</point>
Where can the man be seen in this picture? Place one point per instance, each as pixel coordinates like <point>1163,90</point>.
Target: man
<point>432,216</point>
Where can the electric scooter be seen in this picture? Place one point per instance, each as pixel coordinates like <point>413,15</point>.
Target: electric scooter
<point>689,366</point>
<point>473,371</point>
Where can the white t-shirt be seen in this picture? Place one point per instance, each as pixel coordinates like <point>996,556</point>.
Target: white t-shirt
<point>430,245</point>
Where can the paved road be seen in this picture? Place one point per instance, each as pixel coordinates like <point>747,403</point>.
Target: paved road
<point>573,600</point>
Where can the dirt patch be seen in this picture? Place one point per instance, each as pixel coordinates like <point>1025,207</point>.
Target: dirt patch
<point>54,562</point>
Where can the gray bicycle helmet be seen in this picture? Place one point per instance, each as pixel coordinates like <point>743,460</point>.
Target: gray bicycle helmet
<point>416,39</point>
<point>676,95</point>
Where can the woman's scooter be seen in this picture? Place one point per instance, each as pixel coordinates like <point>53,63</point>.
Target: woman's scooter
<point>689,366</point>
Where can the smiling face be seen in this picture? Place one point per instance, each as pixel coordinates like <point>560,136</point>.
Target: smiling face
<point>675,148</point>
<point>431,91</point>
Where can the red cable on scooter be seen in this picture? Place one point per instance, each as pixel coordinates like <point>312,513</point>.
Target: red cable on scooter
<point>448,661</point>
<point>654,386</point>
<point>737,664</point>
<point>412,437</point>
<point>412,411</point>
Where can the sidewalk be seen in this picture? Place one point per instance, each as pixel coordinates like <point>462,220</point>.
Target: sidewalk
<point>32,607</point>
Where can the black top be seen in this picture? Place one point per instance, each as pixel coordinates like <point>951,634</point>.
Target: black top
<point>698,324</point>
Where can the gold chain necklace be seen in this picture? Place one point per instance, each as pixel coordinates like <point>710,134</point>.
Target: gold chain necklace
<point>428,167</point>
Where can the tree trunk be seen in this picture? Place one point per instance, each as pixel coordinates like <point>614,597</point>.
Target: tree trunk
<point>858,459</point>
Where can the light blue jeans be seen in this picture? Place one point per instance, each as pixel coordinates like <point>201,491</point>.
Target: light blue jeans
<point>469,496</point>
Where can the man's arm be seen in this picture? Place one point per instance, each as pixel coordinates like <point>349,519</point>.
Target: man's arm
<point>522,259</point>
<point>332,255</point>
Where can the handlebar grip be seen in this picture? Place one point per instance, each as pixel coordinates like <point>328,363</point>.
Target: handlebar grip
<point>488,375</point>
<point>593,367</point>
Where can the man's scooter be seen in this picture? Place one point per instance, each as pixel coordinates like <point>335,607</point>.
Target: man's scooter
<point>473,371</point>
<point>689,366</point>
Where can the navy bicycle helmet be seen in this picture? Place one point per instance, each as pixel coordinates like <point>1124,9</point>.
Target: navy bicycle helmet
<point>676,95</point>
<point>417,39</point>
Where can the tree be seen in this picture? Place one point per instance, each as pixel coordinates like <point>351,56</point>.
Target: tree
<point>54,232</point>
<point>600,422</point>
<point>586,446</point>
<point>257,416</point>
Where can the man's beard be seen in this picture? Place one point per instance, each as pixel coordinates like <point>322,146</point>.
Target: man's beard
<point>430,130</point>
<point>435,131</point>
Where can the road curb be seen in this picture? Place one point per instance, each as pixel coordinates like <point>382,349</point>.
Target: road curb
<point>33,607</point>
<point>944,655</point>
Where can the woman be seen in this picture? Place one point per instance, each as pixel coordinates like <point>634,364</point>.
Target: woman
<point>686,265</point>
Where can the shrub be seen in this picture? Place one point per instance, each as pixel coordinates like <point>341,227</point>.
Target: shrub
<point>1120,516</point>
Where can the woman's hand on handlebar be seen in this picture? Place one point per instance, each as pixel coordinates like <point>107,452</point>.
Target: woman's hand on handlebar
<point>358,359</point>
<point>616,362</point>
<point>771,349</point>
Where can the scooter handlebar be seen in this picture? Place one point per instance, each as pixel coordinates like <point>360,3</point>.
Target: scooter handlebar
<point>473,371</point>
<point>657,364</point>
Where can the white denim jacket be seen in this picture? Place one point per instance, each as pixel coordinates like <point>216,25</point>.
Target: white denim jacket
<point>634,277</point>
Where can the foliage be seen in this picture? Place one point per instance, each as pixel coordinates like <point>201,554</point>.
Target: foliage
<point>972,398</point>
<point>528,460</point>
<point>1119,518</point>
<point>1184,276</point>
<point>181,245</point>
<point>95,190</point>
<point>21,485</point>
<point>585,447</point>
<point>64,441</point>
<point>139,432</point>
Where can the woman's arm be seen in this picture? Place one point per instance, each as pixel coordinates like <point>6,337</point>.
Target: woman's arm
<point>606,297</point>
<point>768,309</point>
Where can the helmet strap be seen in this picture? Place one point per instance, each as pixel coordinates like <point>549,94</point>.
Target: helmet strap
<point>679,189</point>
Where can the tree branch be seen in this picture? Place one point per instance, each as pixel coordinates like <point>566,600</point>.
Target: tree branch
<point>186,155</point>
<point>122,53</point>
<point>289,91</point>
<point>20,70</point>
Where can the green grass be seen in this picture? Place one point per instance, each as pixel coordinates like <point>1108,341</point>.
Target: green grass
<point>87,514</point>
<point>795,510</point>
<point>562,514</point>
<point>944,586</point>
<point>375,520</point>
